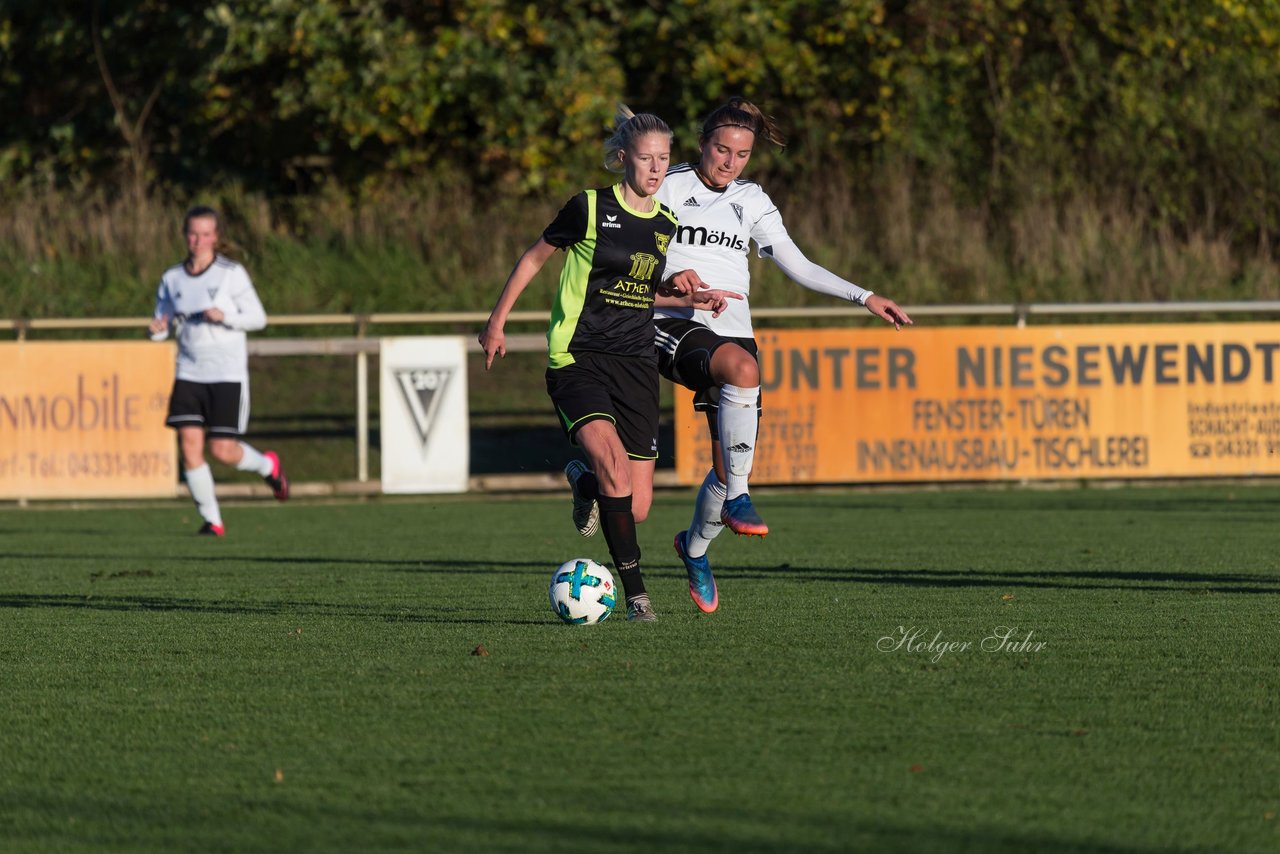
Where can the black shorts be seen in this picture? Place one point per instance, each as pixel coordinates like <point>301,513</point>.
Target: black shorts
<point>623,389</point>
<point>222,409</point>
<point>685,348</point>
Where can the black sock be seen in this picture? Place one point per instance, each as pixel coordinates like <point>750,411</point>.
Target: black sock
<point>620,533</point>
<point>589,487</point>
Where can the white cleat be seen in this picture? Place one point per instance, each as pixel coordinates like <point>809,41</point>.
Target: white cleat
<point>586,513</point>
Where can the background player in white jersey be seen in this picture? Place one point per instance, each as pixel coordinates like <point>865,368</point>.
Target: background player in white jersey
<point>715,356</point>
<point>209,303</point>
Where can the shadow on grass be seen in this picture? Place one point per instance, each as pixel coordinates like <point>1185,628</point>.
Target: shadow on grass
<point>61,532</point>
<point>1046,578</point>
<point>1015,499</point>
<point>1102,579</point>
<point>446,565</point>
<point>744,834</point>
<point>653,825</point>
<point>428,614</point>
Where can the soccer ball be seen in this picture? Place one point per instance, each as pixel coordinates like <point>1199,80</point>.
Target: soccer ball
<point>582,592</point>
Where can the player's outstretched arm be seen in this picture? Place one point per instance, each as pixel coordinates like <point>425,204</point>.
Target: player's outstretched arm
<point>713,300</point>
<point>493,340</point>
<point>887,310</point>
<point>815,277</point>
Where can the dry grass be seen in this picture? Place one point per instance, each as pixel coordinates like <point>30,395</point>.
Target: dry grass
<point>912,236</point>
<point>440,245</point>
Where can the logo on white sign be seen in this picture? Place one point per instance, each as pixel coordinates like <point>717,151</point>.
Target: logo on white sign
<point>423,390</point>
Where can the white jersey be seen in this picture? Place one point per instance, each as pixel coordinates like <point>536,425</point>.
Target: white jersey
<point>210,352</point>
<point>714,236</point>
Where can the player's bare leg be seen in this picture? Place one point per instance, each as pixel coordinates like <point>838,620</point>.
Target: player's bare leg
<point>613,469</point>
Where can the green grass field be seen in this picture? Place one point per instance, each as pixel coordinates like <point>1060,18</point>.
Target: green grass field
<point>309,682</point>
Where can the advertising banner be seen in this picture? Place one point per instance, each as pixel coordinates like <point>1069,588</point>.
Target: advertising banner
<point>980,403</point>
<point>86,420</point>
<point>424,417</point>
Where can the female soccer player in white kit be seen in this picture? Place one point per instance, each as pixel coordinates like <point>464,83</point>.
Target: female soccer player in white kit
<point>720,214</point>
<point>209,303</point>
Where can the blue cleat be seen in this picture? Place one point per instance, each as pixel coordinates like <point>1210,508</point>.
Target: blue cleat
<point>702,585</point>
<point>741,517</point>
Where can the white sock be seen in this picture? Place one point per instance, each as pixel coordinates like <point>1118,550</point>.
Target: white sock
<point>706,516</point>
<point>200,484</point>
<point>739,425</point>
<point>253,460</point>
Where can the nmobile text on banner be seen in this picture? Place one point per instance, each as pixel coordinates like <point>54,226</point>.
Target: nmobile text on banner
<point>86,420</point>
<point>1124,401</point>
<point>423,401</point>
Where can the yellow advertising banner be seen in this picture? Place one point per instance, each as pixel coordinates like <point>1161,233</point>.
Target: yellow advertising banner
<point>978,403</point>
<point>86,420</point>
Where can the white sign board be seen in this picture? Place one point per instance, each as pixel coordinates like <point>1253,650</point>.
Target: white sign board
<point>423,402</point>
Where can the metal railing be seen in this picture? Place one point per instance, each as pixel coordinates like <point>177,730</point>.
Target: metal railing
<point>1018,313</point>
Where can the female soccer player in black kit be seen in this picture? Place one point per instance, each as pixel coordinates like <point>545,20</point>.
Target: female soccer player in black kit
<point>602,373</point>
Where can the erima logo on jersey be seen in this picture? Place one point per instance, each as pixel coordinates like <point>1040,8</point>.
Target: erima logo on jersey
<point>691,202</point>
<point>701,237</point>
<point>611,221</point>
<point>423,390</point>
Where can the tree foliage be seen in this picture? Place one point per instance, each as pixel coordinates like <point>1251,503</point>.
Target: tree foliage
<point>1172,105</point>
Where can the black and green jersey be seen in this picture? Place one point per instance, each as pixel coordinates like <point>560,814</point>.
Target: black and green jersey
<point>616,259</point>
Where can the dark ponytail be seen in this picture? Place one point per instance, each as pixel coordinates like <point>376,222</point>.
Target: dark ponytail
<point>738,112</point>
